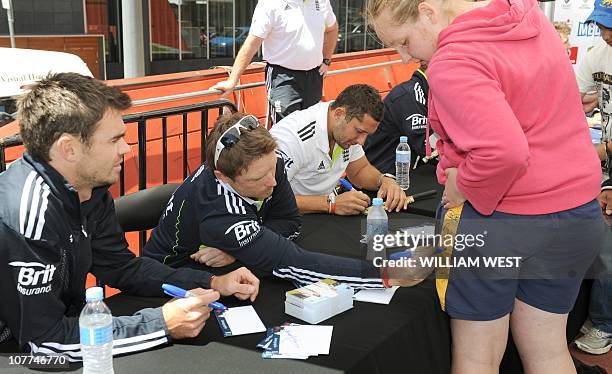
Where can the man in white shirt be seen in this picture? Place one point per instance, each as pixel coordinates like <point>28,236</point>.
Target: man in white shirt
<point>299,38</point>
<point>321,143</point>
<point>595,74</point>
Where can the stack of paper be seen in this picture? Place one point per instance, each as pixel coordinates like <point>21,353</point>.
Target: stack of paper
<point>296,341</point>
<point>319,301</point>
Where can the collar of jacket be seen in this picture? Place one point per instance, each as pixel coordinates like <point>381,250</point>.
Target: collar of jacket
<point>256,203</point>
<point>62,189</point>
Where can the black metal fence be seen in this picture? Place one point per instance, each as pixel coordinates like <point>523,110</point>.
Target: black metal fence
<point>142,119</point>
<point>9,141</point>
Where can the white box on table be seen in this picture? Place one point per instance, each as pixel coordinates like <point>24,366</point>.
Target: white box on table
<point>319,301</point>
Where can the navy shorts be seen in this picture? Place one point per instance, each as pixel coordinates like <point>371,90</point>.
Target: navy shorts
<point>538,259</point>
<point>291,90</point>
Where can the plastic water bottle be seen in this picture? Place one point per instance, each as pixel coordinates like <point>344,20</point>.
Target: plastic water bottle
<point>96,331</point>
<point>402,163</point>
<point>377,224</point>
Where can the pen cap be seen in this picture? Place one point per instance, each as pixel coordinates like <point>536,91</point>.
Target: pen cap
<point>94,294</point>
<point>377,201</point>
<point>174,291</point>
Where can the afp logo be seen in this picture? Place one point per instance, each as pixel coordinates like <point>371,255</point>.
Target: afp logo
<point>244,231</point>
<point>34,278</point>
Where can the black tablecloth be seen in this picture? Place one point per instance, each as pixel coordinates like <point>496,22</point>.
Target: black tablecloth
<point>410,335</point>
<point>411,332</point>
<point>422,179</point>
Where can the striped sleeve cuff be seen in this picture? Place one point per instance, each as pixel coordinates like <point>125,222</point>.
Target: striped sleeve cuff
<point>144,330</point>
<point>304,277</point>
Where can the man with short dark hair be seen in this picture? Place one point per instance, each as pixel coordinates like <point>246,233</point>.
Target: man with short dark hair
<point>241,206</point>
<point>58,223</point>
<point>323,142</point>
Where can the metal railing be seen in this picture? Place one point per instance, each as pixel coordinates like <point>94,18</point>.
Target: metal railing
<point>9,141</point>
<point>183,111</point>
<point>164,113</point>
<point>209,92</point>
<point>141,120</point>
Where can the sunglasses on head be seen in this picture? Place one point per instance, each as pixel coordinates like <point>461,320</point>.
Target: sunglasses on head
<point>231,136</point>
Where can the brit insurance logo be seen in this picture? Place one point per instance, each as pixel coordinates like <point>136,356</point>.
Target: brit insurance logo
<point>417,121</point>
<point>286,159</point>
<point>244,231</point>
<point>34,278</point>
<point>586,4</point>
<point>566,4</point>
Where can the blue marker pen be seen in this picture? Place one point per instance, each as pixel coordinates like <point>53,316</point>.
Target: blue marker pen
<point>346,184</point>
<point>175,291</point>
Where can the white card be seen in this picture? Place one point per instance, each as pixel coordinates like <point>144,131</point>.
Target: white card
<point>239,321</point>
<point>376,296</point>
<point>305,340</point>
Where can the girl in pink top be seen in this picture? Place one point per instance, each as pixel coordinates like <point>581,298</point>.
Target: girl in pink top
<point>514,145</point>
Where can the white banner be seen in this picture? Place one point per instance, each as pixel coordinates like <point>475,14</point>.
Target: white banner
<point>583,36</point>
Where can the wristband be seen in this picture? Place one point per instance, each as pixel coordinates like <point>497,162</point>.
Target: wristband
<point>211,280</point>
<point>385,175</point>
<point>331,201</point>
<point>327,61</point>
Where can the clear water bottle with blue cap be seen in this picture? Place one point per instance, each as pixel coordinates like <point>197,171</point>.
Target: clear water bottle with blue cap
<point>377,224</point>
<point>402,163</point>
<point>96,332</point>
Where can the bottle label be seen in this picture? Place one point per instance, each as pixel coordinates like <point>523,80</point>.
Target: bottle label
<point>96,336</point>
<point>402,156</point>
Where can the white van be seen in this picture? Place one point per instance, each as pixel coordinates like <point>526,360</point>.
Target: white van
<point>21,67</point>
